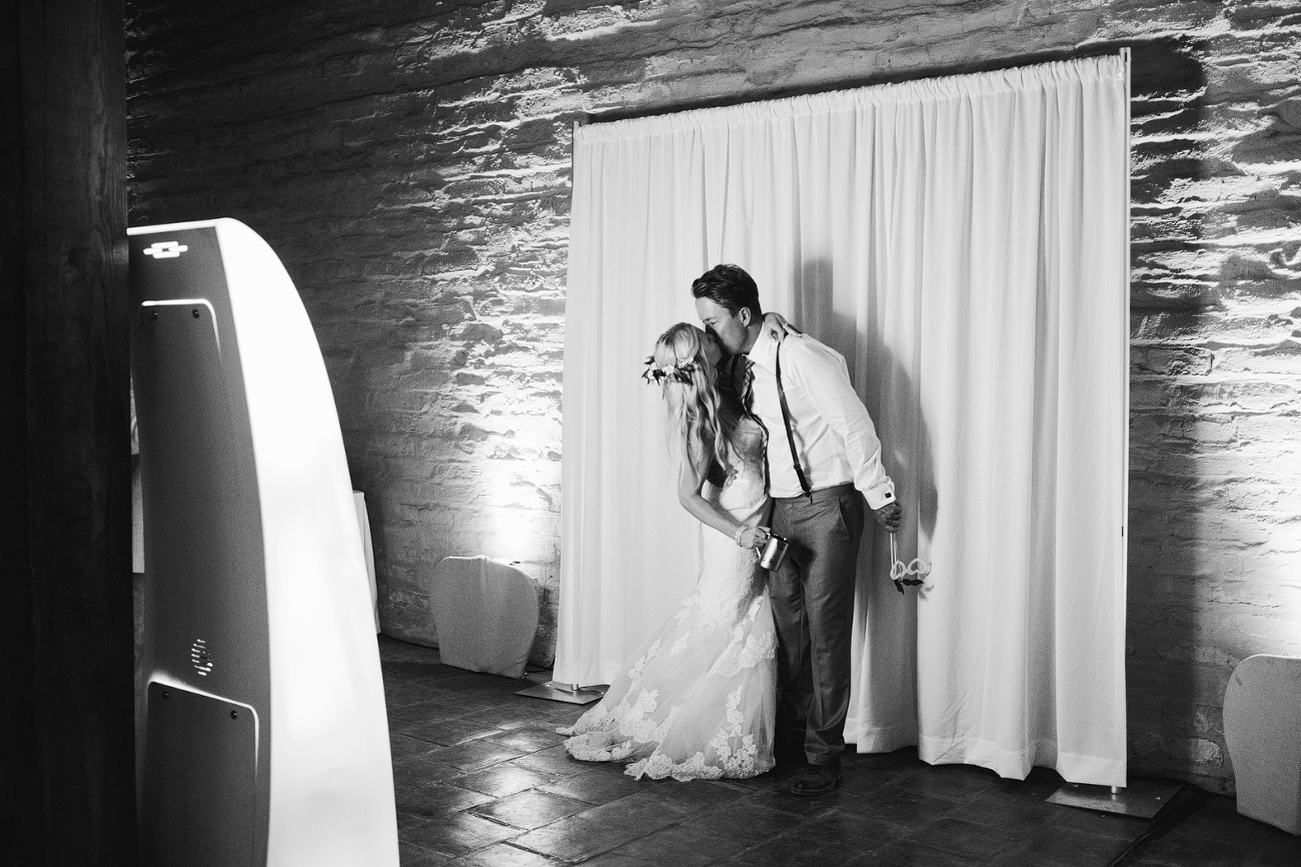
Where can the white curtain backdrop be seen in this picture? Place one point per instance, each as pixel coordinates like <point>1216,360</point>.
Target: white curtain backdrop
<point>962,241</point>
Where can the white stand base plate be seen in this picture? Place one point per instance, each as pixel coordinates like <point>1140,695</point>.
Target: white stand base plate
<point>1142,798</point>
<point>566,692</point>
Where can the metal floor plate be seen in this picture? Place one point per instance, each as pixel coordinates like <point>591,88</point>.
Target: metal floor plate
<point>1142,798</point>
<point>553,691</point>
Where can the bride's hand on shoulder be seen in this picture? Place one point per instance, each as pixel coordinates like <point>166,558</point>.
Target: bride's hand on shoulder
<point>778,328</point>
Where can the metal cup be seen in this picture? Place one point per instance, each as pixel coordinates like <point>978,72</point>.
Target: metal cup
<point>774,552</point>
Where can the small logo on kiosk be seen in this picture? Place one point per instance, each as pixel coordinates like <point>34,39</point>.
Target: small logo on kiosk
<point>199,657</point>
<point>165,249</point>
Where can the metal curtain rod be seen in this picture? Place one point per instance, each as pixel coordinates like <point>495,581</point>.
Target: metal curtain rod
<point>1093,49</point>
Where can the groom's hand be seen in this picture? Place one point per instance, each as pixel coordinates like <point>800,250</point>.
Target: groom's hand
<point>889,516</point>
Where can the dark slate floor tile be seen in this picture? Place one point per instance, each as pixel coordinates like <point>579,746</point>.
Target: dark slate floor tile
<point>449,732</point>
<point>1219,819</point>
<point>861,780</point>
<point>975,843</point>
<point>679,846</point>
<point>424,768</point>
<point>434,800</point>
<point>416,717</point>
<point>776,779</point>
<point>501,780</point>
<point>864,831</point>
<point>432,706</point>
<point>1179,847</point>
<point>1289,856</point>
<point>455,834</point>
<point>412,678</point>
<point>780,798</point>
<point>908,853</point>
<point>554,761</point>
<point>598,829</point>
<point>621,857</point>
<point>903,807</point>
<point>798,846</point>
<point>530,810</point>
<point>1278,847</point>
<point>1055,845</point>
<point>410,855</point>
<point>403,747</point>
<point>472,755</point>
<point>503,855</point>
<point>747,822</point>
<point>514,714</point>
<point>691,797</point>
<point>1023,857</point>
<point>529,738</point>
<point>640,809</point>
<point>595,787</point>
<point>958,783</point>
<point>472,684</point>
<point>1000,808</point>
<point>578,838</point>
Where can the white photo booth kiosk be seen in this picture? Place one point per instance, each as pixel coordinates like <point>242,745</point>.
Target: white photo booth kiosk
<point>262,738</point>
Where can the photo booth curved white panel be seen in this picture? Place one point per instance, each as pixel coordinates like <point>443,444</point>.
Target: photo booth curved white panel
<point>262,737</point>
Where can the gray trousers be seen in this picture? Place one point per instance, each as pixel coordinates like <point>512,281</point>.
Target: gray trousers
<point>813,606</point>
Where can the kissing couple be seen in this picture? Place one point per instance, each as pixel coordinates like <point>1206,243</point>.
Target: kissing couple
<point>770,438</point>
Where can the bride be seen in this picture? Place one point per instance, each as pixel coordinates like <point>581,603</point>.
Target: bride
<point>698,700</point>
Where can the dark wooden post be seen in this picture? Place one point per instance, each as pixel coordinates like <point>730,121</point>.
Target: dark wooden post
<point>66,625</point>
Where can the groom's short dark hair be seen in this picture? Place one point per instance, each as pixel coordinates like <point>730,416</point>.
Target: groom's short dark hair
<point>729,286</point>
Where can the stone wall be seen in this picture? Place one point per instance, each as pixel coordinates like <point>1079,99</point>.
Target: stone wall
<point>409,161</point>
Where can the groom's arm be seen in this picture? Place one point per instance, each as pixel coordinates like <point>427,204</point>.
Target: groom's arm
<point>778,328</point>
<point>824,376</point>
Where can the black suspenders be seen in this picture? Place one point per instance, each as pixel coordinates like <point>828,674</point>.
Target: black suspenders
<point>786,420</point>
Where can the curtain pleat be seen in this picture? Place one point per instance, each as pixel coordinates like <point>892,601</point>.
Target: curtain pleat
<point>962,242</point>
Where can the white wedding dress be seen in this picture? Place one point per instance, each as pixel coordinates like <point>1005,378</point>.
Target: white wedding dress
<point>699,700</point>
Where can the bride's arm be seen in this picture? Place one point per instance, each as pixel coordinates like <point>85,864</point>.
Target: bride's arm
<point>691,482</point>
<point>778,328</point>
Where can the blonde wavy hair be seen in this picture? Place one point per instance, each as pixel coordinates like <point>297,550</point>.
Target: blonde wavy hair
<point>700,420</point>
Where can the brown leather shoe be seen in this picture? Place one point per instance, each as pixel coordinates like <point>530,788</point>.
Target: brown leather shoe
<point>816,780</point>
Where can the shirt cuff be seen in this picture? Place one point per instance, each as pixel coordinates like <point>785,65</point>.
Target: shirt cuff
<point>880,495</point>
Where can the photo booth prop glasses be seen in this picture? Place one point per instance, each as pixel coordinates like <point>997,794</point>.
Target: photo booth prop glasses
<point>913,574</point>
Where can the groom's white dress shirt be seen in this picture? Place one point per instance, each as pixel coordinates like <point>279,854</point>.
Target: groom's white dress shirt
<point>834,434</point>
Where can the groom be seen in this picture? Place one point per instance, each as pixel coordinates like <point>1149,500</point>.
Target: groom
<point>823,459</point>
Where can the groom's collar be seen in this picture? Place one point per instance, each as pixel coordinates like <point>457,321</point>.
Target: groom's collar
<point>761,352</point>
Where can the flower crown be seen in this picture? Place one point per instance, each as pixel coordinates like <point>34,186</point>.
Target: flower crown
<point>658,374</point>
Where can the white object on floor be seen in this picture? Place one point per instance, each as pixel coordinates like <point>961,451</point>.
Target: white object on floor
<point>485,614</point>
<point>1262,729</point>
